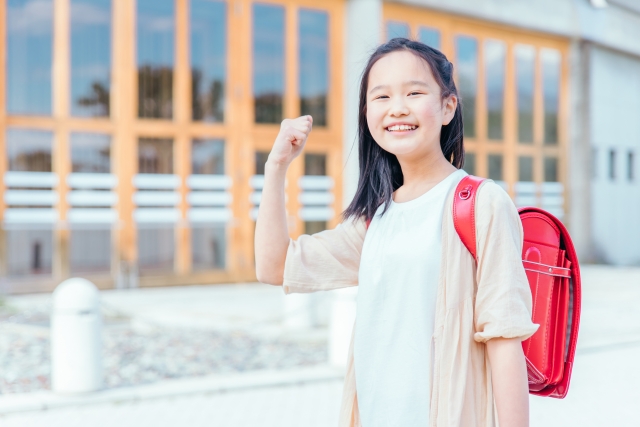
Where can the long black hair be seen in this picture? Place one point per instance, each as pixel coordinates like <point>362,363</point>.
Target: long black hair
<point>380,172</point>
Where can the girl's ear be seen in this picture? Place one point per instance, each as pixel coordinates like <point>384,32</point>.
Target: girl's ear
<point>450,105</point>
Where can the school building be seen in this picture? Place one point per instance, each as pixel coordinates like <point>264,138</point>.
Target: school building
<point>133,133</point>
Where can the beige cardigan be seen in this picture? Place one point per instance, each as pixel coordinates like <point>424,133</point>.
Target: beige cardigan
<point>473,304</point>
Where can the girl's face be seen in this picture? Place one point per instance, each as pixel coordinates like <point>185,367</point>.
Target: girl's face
<point>405,112</point>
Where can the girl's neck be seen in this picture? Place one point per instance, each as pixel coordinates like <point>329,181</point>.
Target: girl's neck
<point>421,175</point>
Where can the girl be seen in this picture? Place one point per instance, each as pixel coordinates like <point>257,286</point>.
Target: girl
<point>437,337</point>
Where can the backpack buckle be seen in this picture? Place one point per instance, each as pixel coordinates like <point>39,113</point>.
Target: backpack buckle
<point>465,193</point>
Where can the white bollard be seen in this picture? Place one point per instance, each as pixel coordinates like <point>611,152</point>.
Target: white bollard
<point>343,316</point>
<point>298,311</point>
<point>76,338</point>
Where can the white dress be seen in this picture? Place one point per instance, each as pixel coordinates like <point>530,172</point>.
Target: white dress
<point>397,287</point>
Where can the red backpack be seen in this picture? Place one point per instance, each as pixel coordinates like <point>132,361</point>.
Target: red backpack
<point>551,264</point>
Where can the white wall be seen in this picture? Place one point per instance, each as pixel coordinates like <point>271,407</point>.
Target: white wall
<point>615,124</point>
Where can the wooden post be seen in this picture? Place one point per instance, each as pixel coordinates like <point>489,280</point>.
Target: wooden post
<point>61,154</point>
<point>510,116</point>
<point>125,155</point>
<point>182,142</point>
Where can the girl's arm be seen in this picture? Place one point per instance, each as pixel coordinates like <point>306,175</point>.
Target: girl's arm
<point>272,235</point>
<point>510,384</point>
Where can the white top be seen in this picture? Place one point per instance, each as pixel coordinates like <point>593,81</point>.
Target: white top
<point>397,288</point>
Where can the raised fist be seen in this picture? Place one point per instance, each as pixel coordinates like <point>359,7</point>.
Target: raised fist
<point>290,140</point>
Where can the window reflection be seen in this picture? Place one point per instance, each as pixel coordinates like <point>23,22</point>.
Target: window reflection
<point>155,155</point>
<point>29,46</point>
<point>208,247</point>
<point>207,156</point>
<point>208,59</point>
<point>315,164</point>
<point>494,60</point>
<point>551,86</point>
<point>90,152</point>
<point>90,57</point>
<point>525,67</point>
<point>261,159</point>
<point>397,29</point>
<point>429,36</point>
<point>470,163</point>
<point>525,168</point>
<point>156,249</point>
<point>467,58</point>
<point>155,58</point>
<point>90,250</point>
<point>29,150</point>
<point>314,64</point>
<point>551,169</point>
<point>268,62</point>
<point>495,167</point>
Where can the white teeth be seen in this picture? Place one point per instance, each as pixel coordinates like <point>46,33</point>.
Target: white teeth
<point>401,127</point>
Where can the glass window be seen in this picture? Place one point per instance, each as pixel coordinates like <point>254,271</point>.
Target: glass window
<point>155,58</point>
<point>313,53</point>
<point>207,156</point>
<point>156,248</point>
<point>429,36</point>
<point>29,46</point>
<point>90,152</point>
<point>494,62</point>
<point>155,155</point>
<point>550,169</point>
<point>90,250</point>
<point>208,59</point>
<point>525,168</point>
<point>90,57</point>
<point>315,164</point>
<point>29,252</point>
<point>630,166</point>
<point>495,167</point>
<point>467,58</point>
<point>551,86</point>
<point>261,159</point>
<point>470,163</point>
<point>612,164</point>
<point>268,62</point>
<point>29,150</point>
<point>208,247</point>
<point>312,227</point>
<point>525,68</point>
<point>397,29</point>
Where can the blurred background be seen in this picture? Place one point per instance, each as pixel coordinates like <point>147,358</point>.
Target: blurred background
<point>133,137</point>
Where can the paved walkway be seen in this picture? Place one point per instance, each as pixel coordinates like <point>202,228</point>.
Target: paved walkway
<point>604,389</point>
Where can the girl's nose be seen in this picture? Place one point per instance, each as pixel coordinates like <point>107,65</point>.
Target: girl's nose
<point>398,108</point>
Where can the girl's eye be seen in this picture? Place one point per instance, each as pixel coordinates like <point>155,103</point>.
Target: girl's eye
<point>414,93</point>
<point>381,96</point>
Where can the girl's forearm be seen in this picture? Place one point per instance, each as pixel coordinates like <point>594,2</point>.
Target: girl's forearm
<point>272,235</point>
<point>509,378</point>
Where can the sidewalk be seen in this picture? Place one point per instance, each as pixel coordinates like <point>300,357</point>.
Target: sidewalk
<point>603,391</point>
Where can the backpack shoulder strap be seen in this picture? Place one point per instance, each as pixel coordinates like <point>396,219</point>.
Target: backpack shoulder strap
<point>464,205</point>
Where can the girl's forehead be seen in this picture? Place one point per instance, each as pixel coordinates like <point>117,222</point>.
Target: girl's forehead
<point>400,66</point>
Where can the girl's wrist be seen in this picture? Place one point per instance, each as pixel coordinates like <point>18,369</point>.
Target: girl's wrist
<point>275,166</point>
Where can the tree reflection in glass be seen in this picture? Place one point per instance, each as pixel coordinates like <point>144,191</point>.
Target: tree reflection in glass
<point>90,57</point>
<point>268,62</point>
<point>314,64</point>
<point>208,28</point>
<point>29,45</point>
<point>29,150</point>
<point>155,42</point>
<point>551,88</point>
<point>90,152</point>
<point>525,66</point>
<point>494,62</point>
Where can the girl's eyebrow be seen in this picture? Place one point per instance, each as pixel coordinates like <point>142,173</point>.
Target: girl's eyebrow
<point>409,83</point>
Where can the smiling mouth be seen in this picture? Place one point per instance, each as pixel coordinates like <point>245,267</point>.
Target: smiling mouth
<point>401,128</point>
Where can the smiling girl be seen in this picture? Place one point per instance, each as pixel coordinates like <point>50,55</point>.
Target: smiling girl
<point>437,337</point>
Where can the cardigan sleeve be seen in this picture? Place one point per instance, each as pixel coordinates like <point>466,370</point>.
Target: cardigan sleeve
<point>326,260</point>
<point>503,298</point>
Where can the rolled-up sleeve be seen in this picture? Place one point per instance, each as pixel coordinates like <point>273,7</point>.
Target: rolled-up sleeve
<point>503,299</point>
<point>326,260</point>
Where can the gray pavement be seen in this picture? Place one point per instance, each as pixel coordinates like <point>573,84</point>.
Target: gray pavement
<point>604,388</point>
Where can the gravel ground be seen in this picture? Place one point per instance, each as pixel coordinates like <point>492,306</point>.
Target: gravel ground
<point>142,355</point>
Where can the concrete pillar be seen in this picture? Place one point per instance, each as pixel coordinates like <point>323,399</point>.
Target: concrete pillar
<point>580,152</point>
<point>363,32</point>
